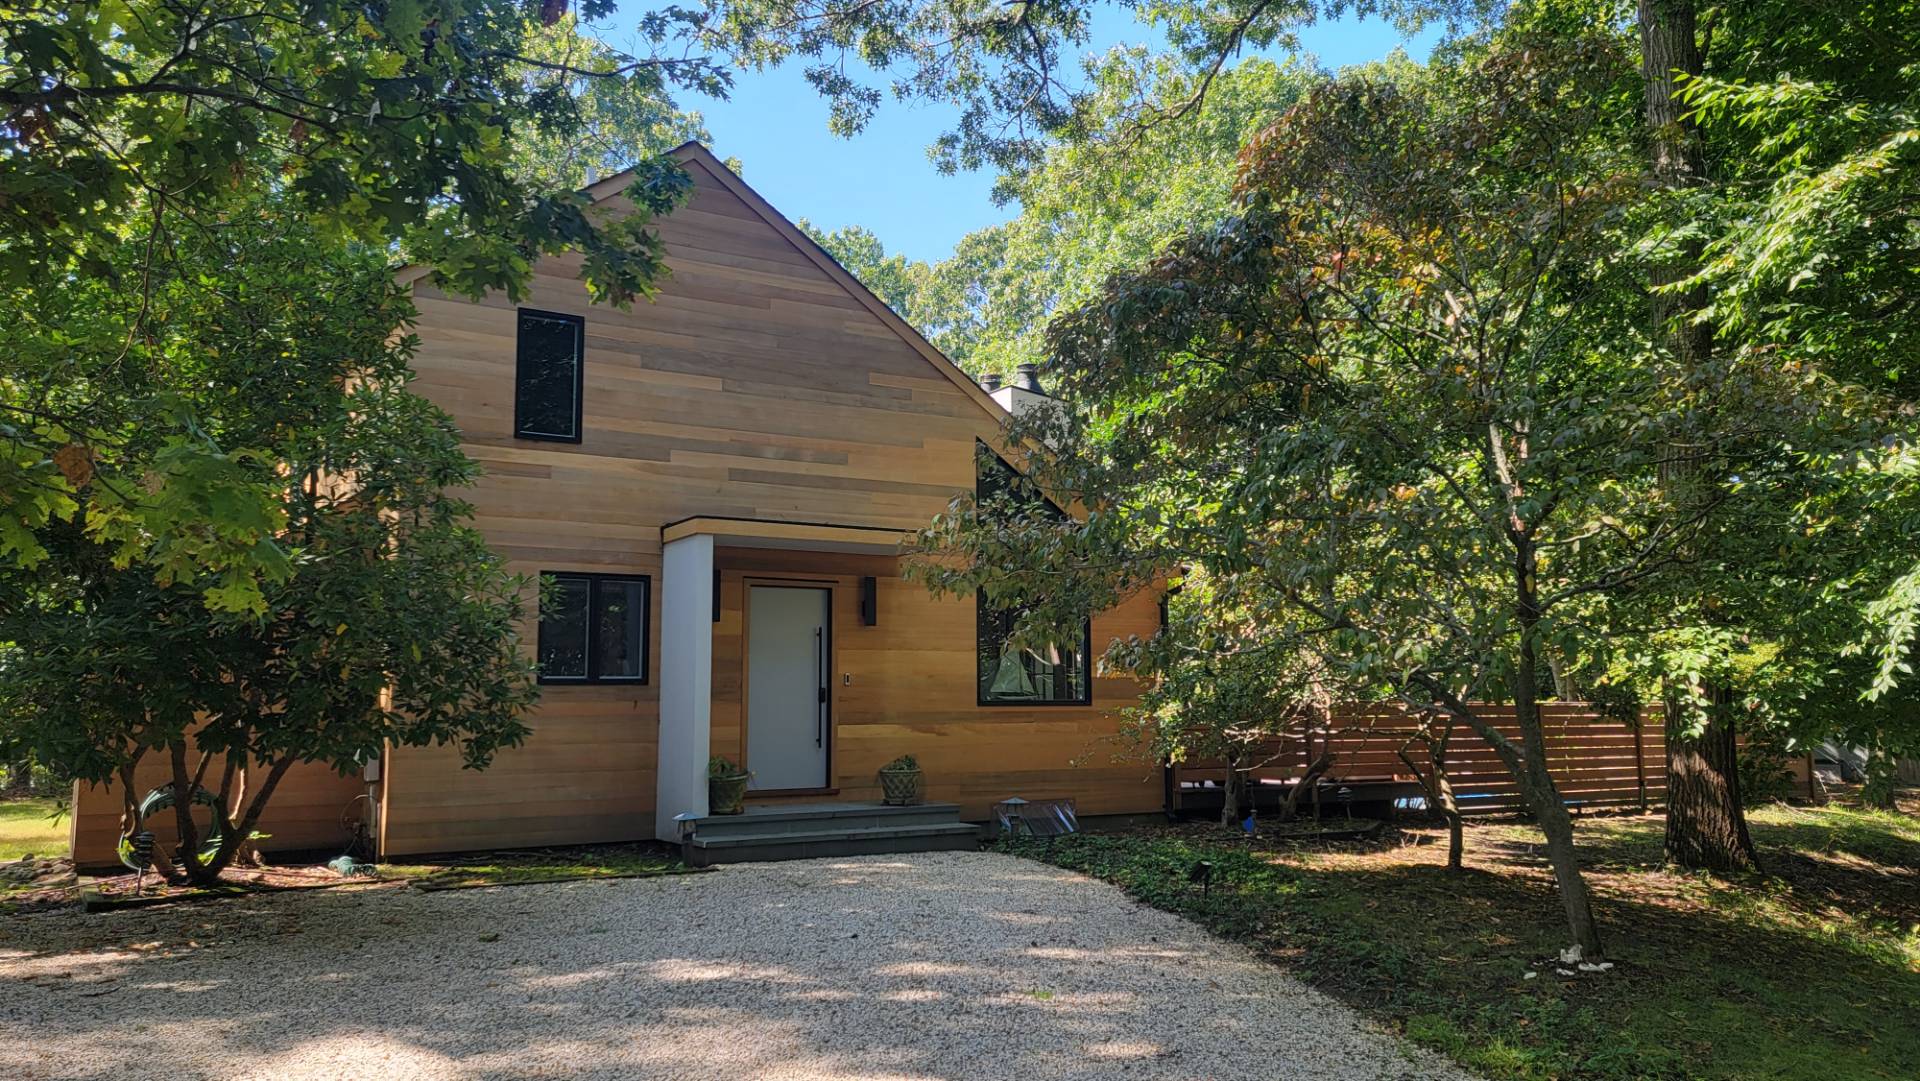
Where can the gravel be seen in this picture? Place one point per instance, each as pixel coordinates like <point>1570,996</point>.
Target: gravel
<point>955,966</point>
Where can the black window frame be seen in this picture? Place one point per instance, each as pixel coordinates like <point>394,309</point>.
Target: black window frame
<point>579,324</point>
<point>593,676</point>
<point>984,613</point>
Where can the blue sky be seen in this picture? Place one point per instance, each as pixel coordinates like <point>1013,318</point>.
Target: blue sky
<point>777,126</point>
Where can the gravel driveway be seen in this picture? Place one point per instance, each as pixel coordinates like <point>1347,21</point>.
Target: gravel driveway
<point>954,966</point>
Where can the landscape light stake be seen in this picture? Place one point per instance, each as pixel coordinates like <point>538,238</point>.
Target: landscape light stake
<point>1202,873</point>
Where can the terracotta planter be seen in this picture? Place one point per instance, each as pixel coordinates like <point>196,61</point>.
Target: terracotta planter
<point>900,787</point>
<point>727,795</point>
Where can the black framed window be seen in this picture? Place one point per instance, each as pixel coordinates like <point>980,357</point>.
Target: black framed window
<point>548,373</point>
<point>1056,674</point>
<point>594,627</point>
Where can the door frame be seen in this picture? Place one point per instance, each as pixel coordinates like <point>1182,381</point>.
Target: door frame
<point>827,586</point>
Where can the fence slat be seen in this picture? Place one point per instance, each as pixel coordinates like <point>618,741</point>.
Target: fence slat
<point>1595,760</point>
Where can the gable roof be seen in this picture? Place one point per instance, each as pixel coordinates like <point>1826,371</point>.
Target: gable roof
<point>693,152</point>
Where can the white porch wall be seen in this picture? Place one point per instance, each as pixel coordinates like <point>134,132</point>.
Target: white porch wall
<point>686,680</point>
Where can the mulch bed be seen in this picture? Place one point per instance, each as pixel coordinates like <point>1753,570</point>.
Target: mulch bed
<point>36,884</point>
<point>109,892</point>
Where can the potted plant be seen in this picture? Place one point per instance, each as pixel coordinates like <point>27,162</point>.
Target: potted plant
<point>726,786</point>
<point>900,781</point>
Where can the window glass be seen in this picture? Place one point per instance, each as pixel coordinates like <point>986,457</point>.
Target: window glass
<point>1057,673</point>
<point>563,629</point>
<point>1054,673</point>
<point>547,389</point>
<point>593,627</point>
<point>619,645</point>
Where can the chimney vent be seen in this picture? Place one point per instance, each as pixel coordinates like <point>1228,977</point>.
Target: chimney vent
<point>1028,378</point>
<point>990,381</point>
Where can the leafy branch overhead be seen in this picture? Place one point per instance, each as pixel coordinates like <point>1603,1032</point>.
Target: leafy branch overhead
<point>392,123</point>
<point>1013,71</point>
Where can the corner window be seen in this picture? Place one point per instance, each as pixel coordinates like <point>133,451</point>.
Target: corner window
<point>1057,674</point>
<point>547,376</point>
<point>593,628</point>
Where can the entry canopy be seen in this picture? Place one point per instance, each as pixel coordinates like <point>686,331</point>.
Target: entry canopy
<point>806,536</point>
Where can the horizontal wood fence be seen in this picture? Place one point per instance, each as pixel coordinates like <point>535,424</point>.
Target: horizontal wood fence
<point>1597,762</point>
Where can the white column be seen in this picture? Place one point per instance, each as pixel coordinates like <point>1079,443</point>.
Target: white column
<point>686,681</point>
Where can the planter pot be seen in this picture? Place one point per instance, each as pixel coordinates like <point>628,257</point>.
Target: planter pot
<point>900,787</point>
<point>726,795</point>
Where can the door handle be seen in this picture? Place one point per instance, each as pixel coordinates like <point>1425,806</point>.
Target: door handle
<point>820,675</point>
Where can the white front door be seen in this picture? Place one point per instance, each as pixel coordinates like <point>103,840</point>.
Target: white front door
<point>788,647</point>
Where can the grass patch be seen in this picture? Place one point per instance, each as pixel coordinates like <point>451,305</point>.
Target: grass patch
<point>539,865</point>
<point>1809,973</point>
<point>29,827</point>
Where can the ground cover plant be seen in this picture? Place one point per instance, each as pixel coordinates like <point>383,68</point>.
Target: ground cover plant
<point>515,867</point>
<point>1810,972</point>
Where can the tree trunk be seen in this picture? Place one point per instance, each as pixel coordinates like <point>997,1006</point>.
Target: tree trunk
<point>1706,821</point>
<point>1543,796</point>
<point>1309,781</point>
<point>1439,788</point>
<point>1669,54</point>
<point>1233,793</point>
<point>187,850</point>
<point>1882,773</point>
<point>1450,812</point>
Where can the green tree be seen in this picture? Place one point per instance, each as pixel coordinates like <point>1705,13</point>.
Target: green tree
<point>893,278</point>
<point>1104,202</point>
<point>1088,208</point>
<point>619,117</point>
<point>1781,138</point>
<point>1010,70</point>
<point>1219,684</point>
<point>433,131</point>
<point>390,123</point>
<point>1402,384</point>
<point>269,349</point>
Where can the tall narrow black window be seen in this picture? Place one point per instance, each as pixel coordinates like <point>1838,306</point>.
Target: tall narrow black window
<point>1058,673</point>
<point>547,376</point>
<point>593,628</point>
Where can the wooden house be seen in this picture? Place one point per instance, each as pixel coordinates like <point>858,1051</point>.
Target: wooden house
<point>718,483</point>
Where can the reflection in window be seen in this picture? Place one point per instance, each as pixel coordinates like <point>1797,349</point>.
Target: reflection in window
<point>1059,673</point>
<point>546,399</point>
<point>593,628</point>
<point>619,647</point>
<point>1056,673</point>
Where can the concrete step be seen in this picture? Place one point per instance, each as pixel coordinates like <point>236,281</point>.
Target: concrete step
<point>803,818</point>
<point>707,850</point>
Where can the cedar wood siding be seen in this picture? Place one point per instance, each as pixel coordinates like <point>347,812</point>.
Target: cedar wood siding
<point>307,811</point>
<point>757,386</point>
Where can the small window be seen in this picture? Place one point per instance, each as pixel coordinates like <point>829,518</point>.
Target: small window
<point>547,376</point>
<point>1057,674</point>
<point>593,628</point>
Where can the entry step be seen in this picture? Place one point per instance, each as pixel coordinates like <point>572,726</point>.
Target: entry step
<point>814,830</point>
